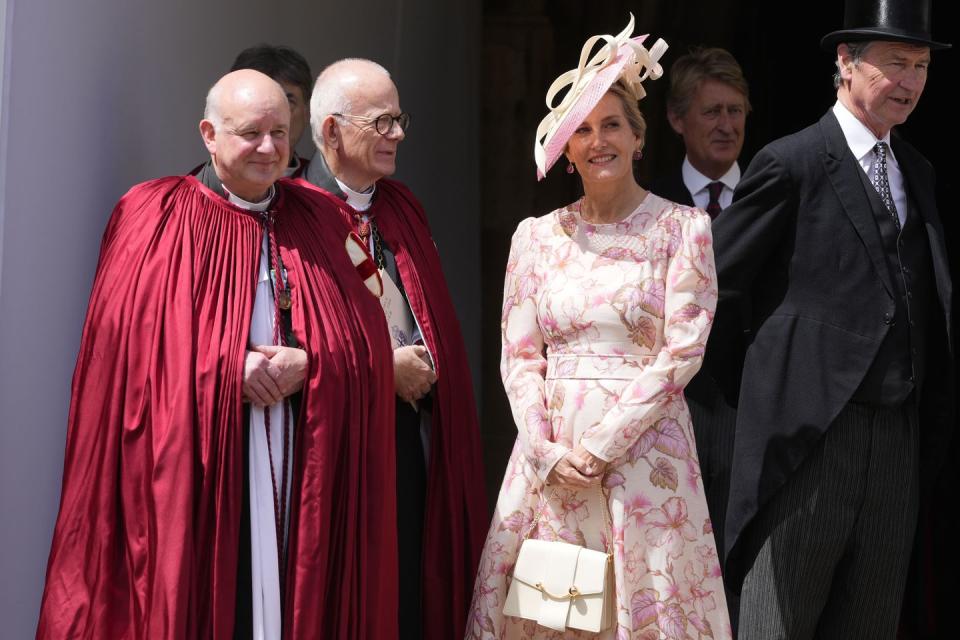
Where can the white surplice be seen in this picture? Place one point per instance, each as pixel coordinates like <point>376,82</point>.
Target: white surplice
<point>264,565</point>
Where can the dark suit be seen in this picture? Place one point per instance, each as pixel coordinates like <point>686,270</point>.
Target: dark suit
<point>671,186</point>
<point>809,302</point>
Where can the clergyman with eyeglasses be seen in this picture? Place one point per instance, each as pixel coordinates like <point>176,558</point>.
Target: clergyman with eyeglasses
<point>441,510</point>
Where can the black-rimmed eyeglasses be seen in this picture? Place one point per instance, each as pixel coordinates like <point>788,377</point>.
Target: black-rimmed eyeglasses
<point>382,123</point>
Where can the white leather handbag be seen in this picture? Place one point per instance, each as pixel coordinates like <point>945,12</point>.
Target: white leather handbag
<point>562,585</point>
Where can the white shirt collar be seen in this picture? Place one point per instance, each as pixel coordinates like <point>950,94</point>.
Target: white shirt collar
<point>697,182</point>
<point>251,206</point>
<point>860,139</point>
<point>359,200</point>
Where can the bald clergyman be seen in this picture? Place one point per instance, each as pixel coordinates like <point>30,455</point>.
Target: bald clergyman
<point>232,406</point>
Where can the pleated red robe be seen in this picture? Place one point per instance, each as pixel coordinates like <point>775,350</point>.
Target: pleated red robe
<point>457,517</point>
<point>146,541</point>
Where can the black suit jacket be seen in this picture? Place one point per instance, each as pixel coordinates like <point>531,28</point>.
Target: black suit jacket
<point>806,298</point>
<point>670,186</point>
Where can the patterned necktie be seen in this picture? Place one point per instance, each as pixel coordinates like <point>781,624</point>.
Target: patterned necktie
<point>881,183</point>
<point>713,207</point>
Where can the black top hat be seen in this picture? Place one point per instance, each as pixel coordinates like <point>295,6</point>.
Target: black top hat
<point>892,20</point>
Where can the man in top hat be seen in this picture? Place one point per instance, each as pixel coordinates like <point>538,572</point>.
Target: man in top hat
<point>834,248</point>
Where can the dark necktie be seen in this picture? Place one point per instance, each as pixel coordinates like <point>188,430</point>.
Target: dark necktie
<point>882,183</point>
<point>713,207</point>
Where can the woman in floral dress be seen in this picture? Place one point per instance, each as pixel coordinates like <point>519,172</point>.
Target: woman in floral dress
<point>607,307</point>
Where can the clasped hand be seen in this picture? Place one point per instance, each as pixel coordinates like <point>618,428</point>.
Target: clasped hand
<point>412,374</point>
<point>271,373</point>
<point>577,468</point>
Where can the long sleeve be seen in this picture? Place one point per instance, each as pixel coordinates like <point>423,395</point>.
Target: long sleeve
<point>690,297</point>
<point>523,365</point>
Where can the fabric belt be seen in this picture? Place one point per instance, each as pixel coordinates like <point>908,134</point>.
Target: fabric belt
<point>595,366</point>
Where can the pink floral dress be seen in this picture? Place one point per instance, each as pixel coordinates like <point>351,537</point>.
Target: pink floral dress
<point>603,325</point>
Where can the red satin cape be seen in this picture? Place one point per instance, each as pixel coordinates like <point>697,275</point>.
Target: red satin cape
<point>146,541</point>
<point>457,517</point>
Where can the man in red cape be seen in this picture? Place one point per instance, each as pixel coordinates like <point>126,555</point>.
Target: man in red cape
<point>442,514</point>
<point>148,539</point>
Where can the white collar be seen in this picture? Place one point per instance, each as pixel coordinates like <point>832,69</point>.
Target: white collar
<point>251,206</point>
<point>359,200</point>
<point>697,182</point>
<point>860,139</point>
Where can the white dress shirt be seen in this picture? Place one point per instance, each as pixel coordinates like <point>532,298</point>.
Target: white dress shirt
<point>697,183</point>
<point>861,142</point>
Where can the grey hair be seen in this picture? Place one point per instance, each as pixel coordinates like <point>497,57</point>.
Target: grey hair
<point>330,95</point>
<point>857,50</point>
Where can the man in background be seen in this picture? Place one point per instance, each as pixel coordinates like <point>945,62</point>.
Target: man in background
<point>707,106</point>
<point>291,70</point>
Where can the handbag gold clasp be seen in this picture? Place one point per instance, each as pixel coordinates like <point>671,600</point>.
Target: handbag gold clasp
<point>571,593</point>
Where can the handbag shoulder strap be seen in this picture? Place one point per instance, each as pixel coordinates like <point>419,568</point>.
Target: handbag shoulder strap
<point>608,517</point>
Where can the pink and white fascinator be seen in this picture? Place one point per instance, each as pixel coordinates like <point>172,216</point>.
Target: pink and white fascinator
<point>621,57</point>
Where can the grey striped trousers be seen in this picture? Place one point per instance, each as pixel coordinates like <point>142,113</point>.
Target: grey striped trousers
<point>834,543</point>
<point>714,425</point>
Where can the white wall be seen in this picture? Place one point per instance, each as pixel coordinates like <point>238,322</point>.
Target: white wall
<point>100,94</point>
